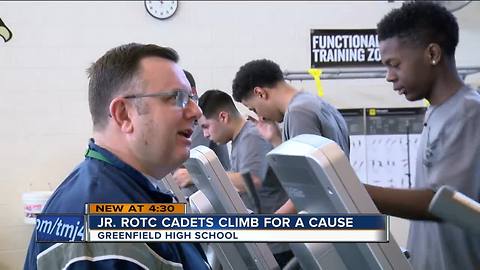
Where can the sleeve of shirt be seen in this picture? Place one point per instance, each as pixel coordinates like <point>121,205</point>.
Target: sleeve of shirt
<point>252,157</point>
<point>303,122</point>
<point>456,157</point>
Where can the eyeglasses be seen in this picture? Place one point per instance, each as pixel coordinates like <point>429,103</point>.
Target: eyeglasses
<point>181,97</point>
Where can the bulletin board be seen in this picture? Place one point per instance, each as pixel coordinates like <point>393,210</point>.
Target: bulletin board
<point>383,144</point>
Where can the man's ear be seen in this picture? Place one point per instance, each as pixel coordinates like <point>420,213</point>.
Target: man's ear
<point>120,113</point>
<point>433,53</point>
<point>260,92</point>
<point>223,116</point>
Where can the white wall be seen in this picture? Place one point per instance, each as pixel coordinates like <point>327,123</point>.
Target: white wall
<point>43,84</point>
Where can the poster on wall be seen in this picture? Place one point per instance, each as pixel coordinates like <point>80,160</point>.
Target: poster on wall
<point>392,140</point>
<point>383,144</point>
<point>344,48</point>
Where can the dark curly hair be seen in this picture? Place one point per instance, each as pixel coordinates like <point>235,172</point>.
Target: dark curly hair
<point>421,22</point>
<point>261,73</point>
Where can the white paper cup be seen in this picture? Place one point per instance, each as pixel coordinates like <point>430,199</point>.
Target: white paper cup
<point>33,203</point>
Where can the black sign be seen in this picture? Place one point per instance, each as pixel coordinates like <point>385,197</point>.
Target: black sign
<point>395,120</point>
<point>334,48</point>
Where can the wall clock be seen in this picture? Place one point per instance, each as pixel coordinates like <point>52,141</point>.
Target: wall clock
<point>161,9</point>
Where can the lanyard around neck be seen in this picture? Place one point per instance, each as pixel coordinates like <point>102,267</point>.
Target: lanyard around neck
<point>97,155</point>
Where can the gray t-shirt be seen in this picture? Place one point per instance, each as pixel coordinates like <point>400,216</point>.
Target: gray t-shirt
<point>448,154</point>
<point>309,114</point>
<point>249,149</point>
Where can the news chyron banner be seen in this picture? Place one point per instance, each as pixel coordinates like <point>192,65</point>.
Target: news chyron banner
<point>344,48</point>
<point>170,223</point>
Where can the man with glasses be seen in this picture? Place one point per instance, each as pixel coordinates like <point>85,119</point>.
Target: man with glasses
<point>143,111</point>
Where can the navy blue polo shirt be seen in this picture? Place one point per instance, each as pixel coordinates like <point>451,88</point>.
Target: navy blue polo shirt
<point>109,181</point>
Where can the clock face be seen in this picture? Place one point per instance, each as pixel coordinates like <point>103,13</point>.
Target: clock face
<point>161,9</point>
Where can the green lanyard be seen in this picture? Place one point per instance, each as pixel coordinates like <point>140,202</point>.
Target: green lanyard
<point>97,155</point>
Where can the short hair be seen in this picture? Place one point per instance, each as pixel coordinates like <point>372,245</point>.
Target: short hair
<point>112,73</point>
<point>190,78</point>
<point>421,22</point>
<point>213,101</point>
<point>256,73</point>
